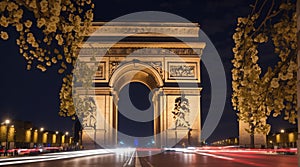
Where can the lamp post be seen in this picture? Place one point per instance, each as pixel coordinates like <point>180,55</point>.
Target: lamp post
<point>56,142</point>
<point>42,136</point>
<point>67,138</point>
<point>6,139</point>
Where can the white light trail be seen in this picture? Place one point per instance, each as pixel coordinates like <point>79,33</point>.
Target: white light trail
<point>60,155</point>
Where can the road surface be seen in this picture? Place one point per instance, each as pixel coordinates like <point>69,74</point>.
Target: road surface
<point>167,159</point>
<point>203,159</point>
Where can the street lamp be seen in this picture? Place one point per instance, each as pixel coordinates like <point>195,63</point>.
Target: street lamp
<point>66,138</point>
<point>7,130</point>
<point>7,121</point>
<point>282,131</point>
<point>42,129</point>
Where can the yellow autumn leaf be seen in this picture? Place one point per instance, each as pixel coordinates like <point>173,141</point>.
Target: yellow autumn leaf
<point>4,35</point>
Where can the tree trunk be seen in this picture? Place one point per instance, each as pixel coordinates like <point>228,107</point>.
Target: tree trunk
<point>252,140</point>
<point>252,137</point>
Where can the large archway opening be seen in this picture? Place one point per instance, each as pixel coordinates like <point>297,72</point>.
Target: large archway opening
<point>135,97</point>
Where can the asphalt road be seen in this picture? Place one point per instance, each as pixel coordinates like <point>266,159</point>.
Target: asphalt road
<point>108,160</point>
<point>100,160</point>
<point>172,159</point>
<point>224,159</point>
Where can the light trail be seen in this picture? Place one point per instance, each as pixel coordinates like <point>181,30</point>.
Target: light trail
<point>62,155</point>
<point>238,160</point>
<point>215,156</point>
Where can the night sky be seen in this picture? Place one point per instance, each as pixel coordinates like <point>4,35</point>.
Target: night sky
<point>33,95</point>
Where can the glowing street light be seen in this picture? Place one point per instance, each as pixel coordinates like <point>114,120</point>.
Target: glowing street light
<point>282,131</point>
<point>67,133</point>
<point>7,122</point>
<point>42,129</point>
<point>56,132</point>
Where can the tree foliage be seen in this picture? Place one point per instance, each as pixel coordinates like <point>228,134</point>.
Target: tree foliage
<point>257,93</point>
<point>49,32</point>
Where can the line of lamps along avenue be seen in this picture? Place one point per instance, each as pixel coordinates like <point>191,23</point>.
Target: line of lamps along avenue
<point>30,137</point>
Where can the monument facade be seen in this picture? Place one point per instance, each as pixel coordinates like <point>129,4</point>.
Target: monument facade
<point>155,55</point>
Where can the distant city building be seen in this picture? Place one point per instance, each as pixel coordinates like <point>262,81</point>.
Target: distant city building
<point>285,138</point>
<point>226,142</point>
<point>23,134</point>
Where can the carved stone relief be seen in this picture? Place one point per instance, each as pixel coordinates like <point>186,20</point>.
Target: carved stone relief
<point>182,71</point>
<point>88,113</point>
<point>157,65</point>
<point>113,66</point>
<point>139,51</point>
<point>181,112</point>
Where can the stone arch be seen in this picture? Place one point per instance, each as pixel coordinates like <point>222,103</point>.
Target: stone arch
<point>154,68</point>
<point>135,72</point>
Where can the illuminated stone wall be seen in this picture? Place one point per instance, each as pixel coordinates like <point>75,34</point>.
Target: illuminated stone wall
<point>244,137</point>
<point>168,68</point>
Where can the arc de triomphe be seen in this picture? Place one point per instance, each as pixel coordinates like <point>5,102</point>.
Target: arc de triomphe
<point>169,67</point>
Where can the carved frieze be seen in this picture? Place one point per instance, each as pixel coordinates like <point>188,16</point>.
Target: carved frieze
<point>138,51</point>
<point>157,65</point>
<point>162,30</point>
<point>182,71</point>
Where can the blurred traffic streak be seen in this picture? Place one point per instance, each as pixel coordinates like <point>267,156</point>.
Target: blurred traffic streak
<point>220,156</point>
<point>63,155</point>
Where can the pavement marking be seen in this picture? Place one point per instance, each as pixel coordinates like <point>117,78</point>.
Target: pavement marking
<point>148,163</point>
<point>129,161</point>
<point>137,161</point>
